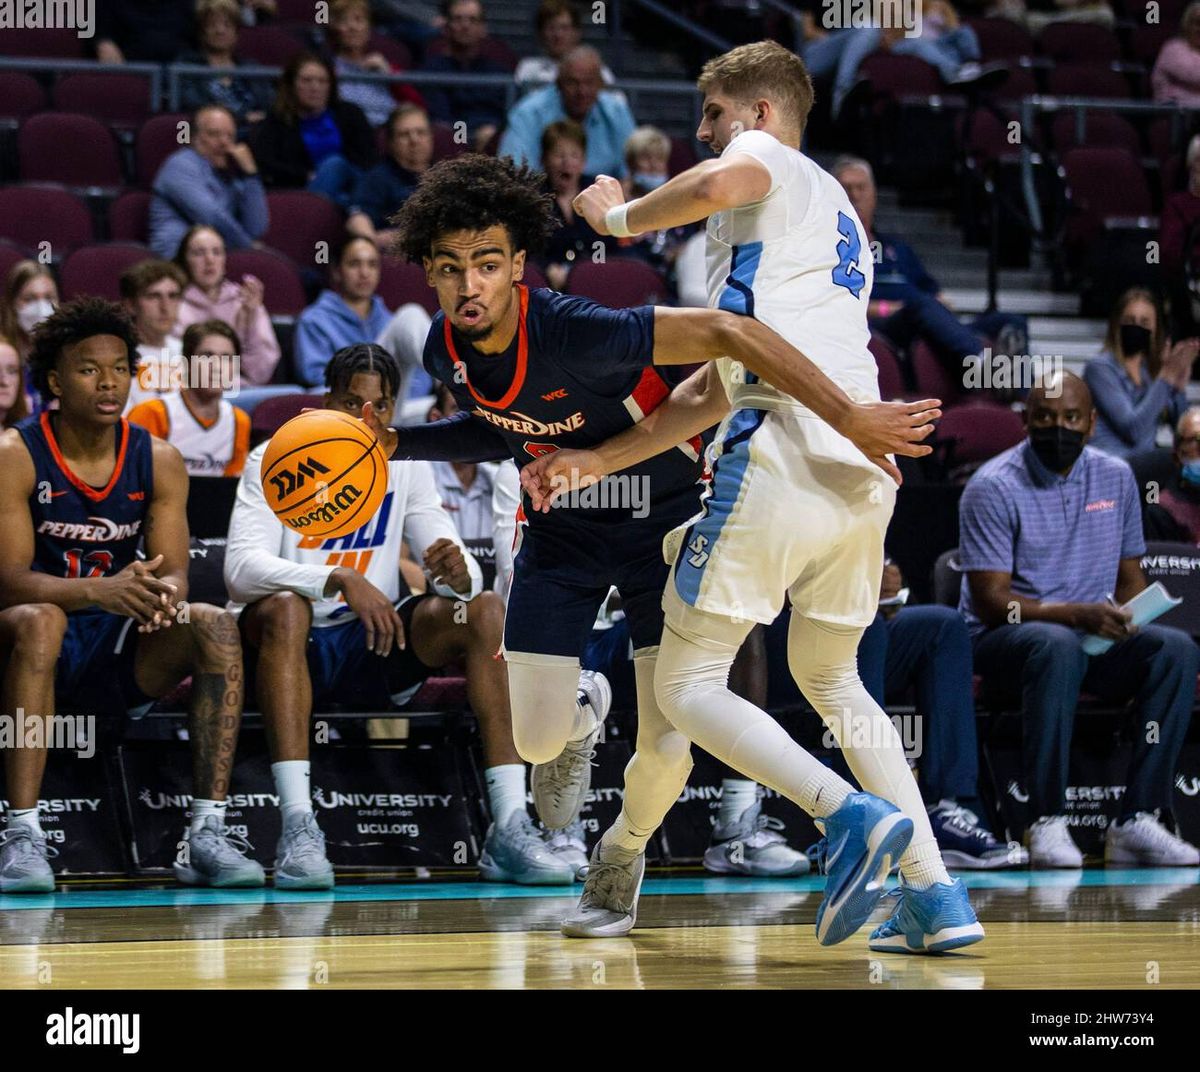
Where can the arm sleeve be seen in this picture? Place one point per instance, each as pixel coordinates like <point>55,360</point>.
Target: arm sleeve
<point>461,438</point>
<point>1133,540</point>
<point>601,340</point>
<point>773,155</point>
<point>254,569</point>
<point>987,537</point>
<point>1132,422</point>
<point>506,500</point>
<point>426,522</point>
<point>180,182</point>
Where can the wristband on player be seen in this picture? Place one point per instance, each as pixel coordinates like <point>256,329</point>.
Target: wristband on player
<point>616,219</point>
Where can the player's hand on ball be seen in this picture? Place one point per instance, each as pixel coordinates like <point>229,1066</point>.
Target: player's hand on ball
<point>446,564</point>
<point>882,428</point>
<point>388,437</point>
<point>557,473</point>
<point>380,619</point>
<point>594,202</point>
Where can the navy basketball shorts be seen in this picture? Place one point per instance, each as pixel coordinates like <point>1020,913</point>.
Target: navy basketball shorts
<point>95,666</point>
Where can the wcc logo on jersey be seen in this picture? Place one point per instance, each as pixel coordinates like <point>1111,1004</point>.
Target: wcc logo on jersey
<point>286,480</point>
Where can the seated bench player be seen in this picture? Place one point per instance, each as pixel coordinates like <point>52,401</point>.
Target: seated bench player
<point>86,624</point>
<point>326,620</point>
<point>211,433</point>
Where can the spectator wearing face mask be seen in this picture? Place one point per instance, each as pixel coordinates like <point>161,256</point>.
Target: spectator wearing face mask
<point>1176,513</point>
<point>15,403</point>
<point>1140,380</point>
<point>30,296</point>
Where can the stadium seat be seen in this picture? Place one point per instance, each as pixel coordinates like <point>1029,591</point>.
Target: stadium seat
<point>1002,39</point>
<point>401,282</point>
<point>10,253</point>
<point>444,145</point>
<point>891,378</point>
<point>1083,80</point>
<point>1146,40</point>
<point>299,220</point>
<point>56,44</point>
<point>1104,183</point>
<point>121,99</point>
<point>1079,42</point>
<point>20,95</point>
<point>75,150</point>
<point>31,215</point>
<point>1102,128</point>
<point>683,155</point>
<point>894,77</point>
<point>296,11</point>
<point>932,378</point>
<point>96,270</point>
<point>984,135</point>
<point>157,138</point>
<point>129,217</point>
<point>976,431</point>
<point>1021,83</point>
<point>271,414</point>
<point>620,283</point>
<point>283,292</point>
<point>270,46</point>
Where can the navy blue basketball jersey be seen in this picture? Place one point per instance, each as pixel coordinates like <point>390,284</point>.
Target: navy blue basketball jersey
<point>79,530</point>
<point>577,373</point>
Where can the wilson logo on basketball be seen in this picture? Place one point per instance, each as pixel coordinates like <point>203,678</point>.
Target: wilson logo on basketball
<point>286,481</point>
<point>327,511</point>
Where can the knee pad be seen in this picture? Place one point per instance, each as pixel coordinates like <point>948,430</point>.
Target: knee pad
<point>542,691</point>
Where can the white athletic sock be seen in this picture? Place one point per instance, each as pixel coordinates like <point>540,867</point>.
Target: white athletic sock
<point>624,835</point>
<point>922,865</point>
<point>737,794</point>
<point>292,783</point>
<point>24,817</point>
<point>585,721</point>
<point>202,809</point>
<point>506,790</point>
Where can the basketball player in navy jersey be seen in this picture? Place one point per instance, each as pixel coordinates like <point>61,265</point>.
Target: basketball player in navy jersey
<point>86,624</point>
<point>534,371</point>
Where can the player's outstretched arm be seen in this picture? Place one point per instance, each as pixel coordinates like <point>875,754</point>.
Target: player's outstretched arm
<point>460,438</point>
<point>697,403</point>
<point>878,429</point>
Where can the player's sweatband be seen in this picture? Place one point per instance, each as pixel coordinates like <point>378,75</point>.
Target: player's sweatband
<point>460,438</point>
<point>616,219</point>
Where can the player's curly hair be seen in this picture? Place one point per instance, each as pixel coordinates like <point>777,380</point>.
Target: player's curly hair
<point>473,192</point>
<point>71,323</point>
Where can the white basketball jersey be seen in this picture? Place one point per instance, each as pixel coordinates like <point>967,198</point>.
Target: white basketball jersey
<point>799,261</point>
<point>207,449</point>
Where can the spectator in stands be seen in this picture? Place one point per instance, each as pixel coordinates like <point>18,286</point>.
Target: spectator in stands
<point>481,108</point>
<point>150,291</point>
<point>209,295</point>
<point>605,117</point>
<point>1140,380</point>
<point>564,148</point>
<point>1050,534</point>
<point>383,189</point>
<point>15,403</point>
<point>1173,511</point>
<point>347,313</point>
<point>1176,74</point>
<point>328,625</point>
<point>927,649</point>
<point>143,31</point>
<point>30,296</point>
<point>311,137</point>
<point>351,29</point>
<point>404,338</point>
<point>1179,242</point>
<point>906,301</point>
<point>214,181</point>
<point>217,32</point>
<point>559,30</point>
<point>212,434</point>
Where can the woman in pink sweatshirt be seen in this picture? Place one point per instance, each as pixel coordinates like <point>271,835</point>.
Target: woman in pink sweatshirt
<point>1176,75</point>
<point>210,296</point>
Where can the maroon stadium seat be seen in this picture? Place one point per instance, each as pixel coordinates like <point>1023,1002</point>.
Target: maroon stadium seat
<point>283,292</point>
<point>984,135</point>
<point>1104,183</point>
<point>1147,39</point>
<point>76,150</point>
<point>270,46</point>
<point>299,220</point>
<point>401,282</point>
<point>1079,42</point>
<point>893,77</point>
<point>59,44</point>
<point>1001,39</point>
<point>96,270</point>
<point>157,138</point>
<point>123,99</point>
<point>620,283</point>
<point>31,215</point>
<point>444,144</point>
<point>933,381</point>
<point>272,413</point>
<point>1021,83</point>
<point>294,11</point>
<point>891,379</point>
<point>10,253</point>
<point>683,155</point>
<point>129,217</point>
<point>20,95</point>
<point>1103,128</point>
<point>1081,80</point>
<point>979,431</point>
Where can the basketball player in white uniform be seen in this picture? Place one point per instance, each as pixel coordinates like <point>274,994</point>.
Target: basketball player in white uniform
<point>793,508</point>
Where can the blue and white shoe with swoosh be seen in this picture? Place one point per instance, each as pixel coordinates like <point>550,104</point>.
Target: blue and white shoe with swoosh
<point>865,836</point>
<point>935,920</point>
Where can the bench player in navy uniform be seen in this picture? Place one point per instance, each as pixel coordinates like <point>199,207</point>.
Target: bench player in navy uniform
<point>535,371</point>
<point>86,624</point>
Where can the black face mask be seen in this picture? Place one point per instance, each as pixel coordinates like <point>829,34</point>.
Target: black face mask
<point>1057,448</point>
<point>1135,339</point>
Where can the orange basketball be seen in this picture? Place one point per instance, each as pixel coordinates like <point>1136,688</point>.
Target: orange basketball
<point>324,473</point>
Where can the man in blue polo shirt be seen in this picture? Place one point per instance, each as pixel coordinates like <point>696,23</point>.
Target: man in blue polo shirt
<point>1050,535</point>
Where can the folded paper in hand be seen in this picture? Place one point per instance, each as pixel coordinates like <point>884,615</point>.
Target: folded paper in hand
<point>1150,603</point>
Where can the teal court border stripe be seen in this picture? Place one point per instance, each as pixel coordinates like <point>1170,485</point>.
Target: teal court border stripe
<point>487,891</point>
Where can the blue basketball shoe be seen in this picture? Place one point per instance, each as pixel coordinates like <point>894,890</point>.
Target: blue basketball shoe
<point>935,920</point>
<point>865,836</point>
